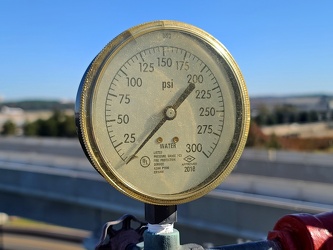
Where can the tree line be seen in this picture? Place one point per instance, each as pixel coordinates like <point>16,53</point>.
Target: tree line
<point>286,114</point>
<point>58,125</point>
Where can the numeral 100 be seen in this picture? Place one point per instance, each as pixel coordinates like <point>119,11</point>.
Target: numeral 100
<point>134,82</point>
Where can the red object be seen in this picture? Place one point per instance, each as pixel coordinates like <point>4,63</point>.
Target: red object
<point>304,232</point>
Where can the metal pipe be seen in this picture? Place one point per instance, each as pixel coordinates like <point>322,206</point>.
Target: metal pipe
<point>258,245</point>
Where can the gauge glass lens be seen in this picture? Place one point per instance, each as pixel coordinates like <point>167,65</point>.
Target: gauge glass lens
<point>167,115</point>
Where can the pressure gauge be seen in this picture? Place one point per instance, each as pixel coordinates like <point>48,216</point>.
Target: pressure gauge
<point>163,112</point>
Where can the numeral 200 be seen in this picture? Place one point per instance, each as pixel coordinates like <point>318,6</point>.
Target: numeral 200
<point>193,78</point>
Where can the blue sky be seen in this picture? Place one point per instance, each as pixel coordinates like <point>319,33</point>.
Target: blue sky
<point>281,47</point>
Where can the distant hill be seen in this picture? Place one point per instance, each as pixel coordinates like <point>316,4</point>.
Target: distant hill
<point>36,105</point>
<point>314,102</point>
<point>301,102</point>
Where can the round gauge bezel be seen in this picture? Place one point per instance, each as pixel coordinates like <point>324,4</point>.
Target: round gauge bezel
<point>89,142</point>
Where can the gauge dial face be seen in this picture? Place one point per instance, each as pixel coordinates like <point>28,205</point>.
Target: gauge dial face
<point>163,112</point>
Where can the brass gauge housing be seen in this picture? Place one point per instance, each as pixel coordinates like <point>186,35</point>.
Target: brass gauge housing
<point>163,112</point>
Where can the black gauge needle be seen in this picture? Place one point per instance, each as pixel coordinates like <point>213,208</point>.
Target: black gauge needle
<point>183,96</point>
<point>169,113</point>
